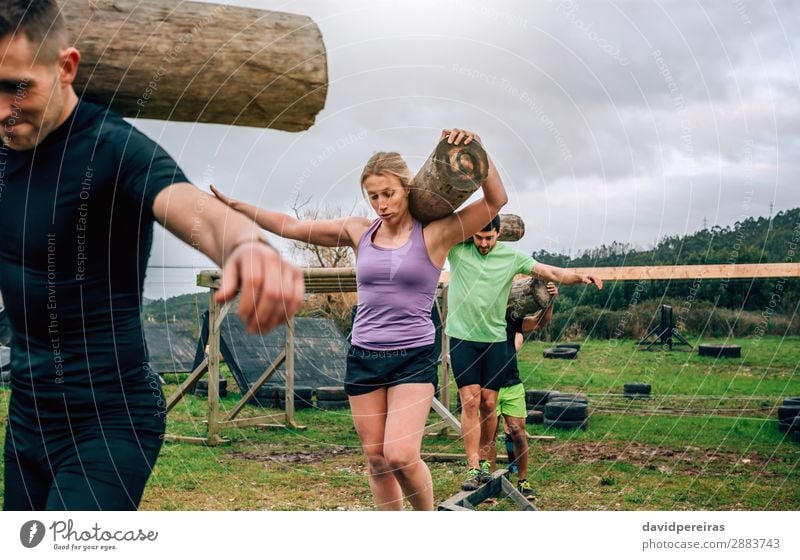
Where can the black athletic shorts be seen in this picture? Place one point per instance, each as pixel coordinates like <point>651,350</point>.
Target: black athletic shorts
<point>478,363</point>
<point>99,461</point>
<point>368,370</point>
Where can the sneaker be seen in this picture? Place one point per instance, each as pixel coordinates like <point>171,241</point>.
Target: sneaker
<point>486,471</point>
<point>473,480</point>
<point>524,487</point>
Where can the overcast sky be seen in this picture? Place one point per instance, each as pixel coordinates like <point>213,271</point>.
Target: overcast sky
<point>609,121</point>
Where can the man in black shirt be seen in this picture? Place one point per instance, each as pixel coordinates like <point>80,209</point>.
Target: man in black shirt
<point>80,190</point>
<point>511,398</point>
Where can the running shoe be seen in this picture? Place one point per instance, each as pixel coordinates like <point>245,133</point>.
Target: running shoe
<point>486,471</point>
<point>473,480</point>
<point>524,487</point>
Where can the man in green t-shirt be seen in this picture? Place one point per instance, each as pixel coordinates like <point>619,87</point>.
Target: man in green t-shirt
<point>481,274</point>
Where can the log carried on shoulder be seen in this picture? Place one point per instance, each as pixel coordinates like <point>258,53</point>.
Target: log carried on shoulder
<point>198,62</point>
<point>448,178</point>
<point>528,295</point>
<point>512,228</point>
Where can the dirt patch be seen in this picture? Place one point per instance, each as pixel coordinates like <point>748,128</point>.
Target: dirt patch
<point>278,454</point>
<point>688,460</point>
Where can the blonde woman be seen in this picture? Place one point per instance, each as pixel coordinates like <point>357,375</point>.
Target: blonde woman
<point>391,365</point>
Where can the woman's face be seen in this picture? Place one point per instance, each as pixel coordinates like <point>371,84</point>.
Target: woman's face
<point>387,196</point>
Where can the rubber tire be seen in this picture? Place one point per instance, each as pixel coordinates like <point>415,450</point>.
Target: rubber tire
<point>534,397</point>
<point>332,405</point>
<point>300,392</point>
<point>534,417</point>
<point>566,411</point>
<point>299,404</point>
<point>567,424</point>
<point>791,400</point>
<point>573,345</point>
<point>789,425</point>
<point>266,396</point>
<point>788,411</point>
<point>568,397</point>
<point>201,388</point>
<point>331,394</point>
<point>637,388</point>
<point>720,350</point>
<point>560,353</point>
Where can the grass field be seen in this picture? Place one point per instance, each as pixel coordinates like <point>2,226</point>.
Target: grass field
<point>706,440</point>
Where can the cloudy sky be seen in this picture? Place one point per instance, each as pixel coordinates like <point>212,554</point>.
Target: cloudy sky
<point>609,121</point>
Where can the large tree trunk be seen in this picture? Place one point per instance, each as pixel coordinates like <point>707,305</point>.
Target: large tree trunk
<point>197,62</point>
<point>448,178</point>
<point>528,296</point>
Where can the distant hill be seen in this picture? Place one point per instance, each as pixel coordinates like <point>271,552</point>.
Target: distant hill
<point>185,308</point>
<point>754,240</point>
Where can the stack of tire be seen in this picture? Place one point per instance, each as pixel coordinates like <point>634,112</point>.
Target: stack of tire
<point>5,366</point>
<point>563,351</point>
<point>302,397</point>
<point>720,350</point>
<point>332,398</point>
<point>201,388</point>
<point>789,417</point>
<point>266,396</point>
<point>567,411</point>
<point>535,401</point>
<point>636,390</point>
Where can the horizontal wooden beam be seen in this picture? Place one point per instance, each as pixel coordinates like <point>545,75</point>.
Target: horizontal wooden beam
<point>692,272</point>
<point>329,278</point>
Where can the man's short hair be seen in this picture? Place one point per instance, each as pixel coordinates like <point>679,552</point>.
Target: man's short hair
<point>40,21</point>
<point>494,224</point>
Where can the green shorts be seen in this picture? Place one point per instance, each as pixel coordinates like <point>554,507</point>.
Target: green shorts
<point>511,401</point>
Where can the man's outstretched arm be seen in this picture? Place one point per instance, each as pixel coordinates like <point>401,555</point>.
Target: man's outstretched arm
<point>271,289</point>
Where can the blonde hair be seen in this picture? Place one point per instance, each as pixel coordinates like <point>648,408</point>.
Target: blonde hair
<point>388,163</point>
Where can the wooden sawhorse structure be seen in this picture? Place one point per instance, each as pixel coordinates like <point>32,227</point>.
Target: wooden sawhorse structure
<point>216,313</point>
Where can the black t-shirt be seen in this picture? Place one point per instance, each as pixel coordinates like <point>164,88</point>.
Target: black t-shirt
<point>513,326</point>
<point>77,229</point>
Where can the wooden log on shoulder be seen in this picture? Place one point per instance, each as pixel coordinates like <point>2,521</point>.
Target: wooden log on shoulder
<point>528,295</point>
<point>448,178</point>
<point>198,62</point>
<point>512,228</point>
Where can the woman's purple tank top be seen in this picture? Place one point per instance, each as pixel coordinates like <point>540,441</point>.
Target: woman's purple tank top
<point>395,293</point>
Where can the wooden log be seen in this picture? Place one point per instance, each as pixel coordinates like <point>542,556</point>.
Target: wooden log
<point>528,295</point>
<point>198,62</point>
<point>694,271</point>
<point>448,178</point>
<point>512,228</point>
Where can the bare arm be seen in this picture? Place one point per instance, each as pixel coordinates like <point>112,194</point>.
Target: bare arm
<point>272,289</point>
<point>542,318</point>
<point>457,227</point>
<point>563,276</point>
<point>327,233</point>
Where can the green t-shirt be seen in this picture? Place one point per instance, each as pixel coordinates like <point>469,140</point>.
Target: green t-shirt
<point>479,288</point>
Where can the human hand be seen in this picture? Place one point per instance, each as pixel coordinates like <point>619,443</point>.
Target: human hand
<point>589,279</point>
<point>552,289</point>
<point>456,135</point>
<point>271,290</point>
